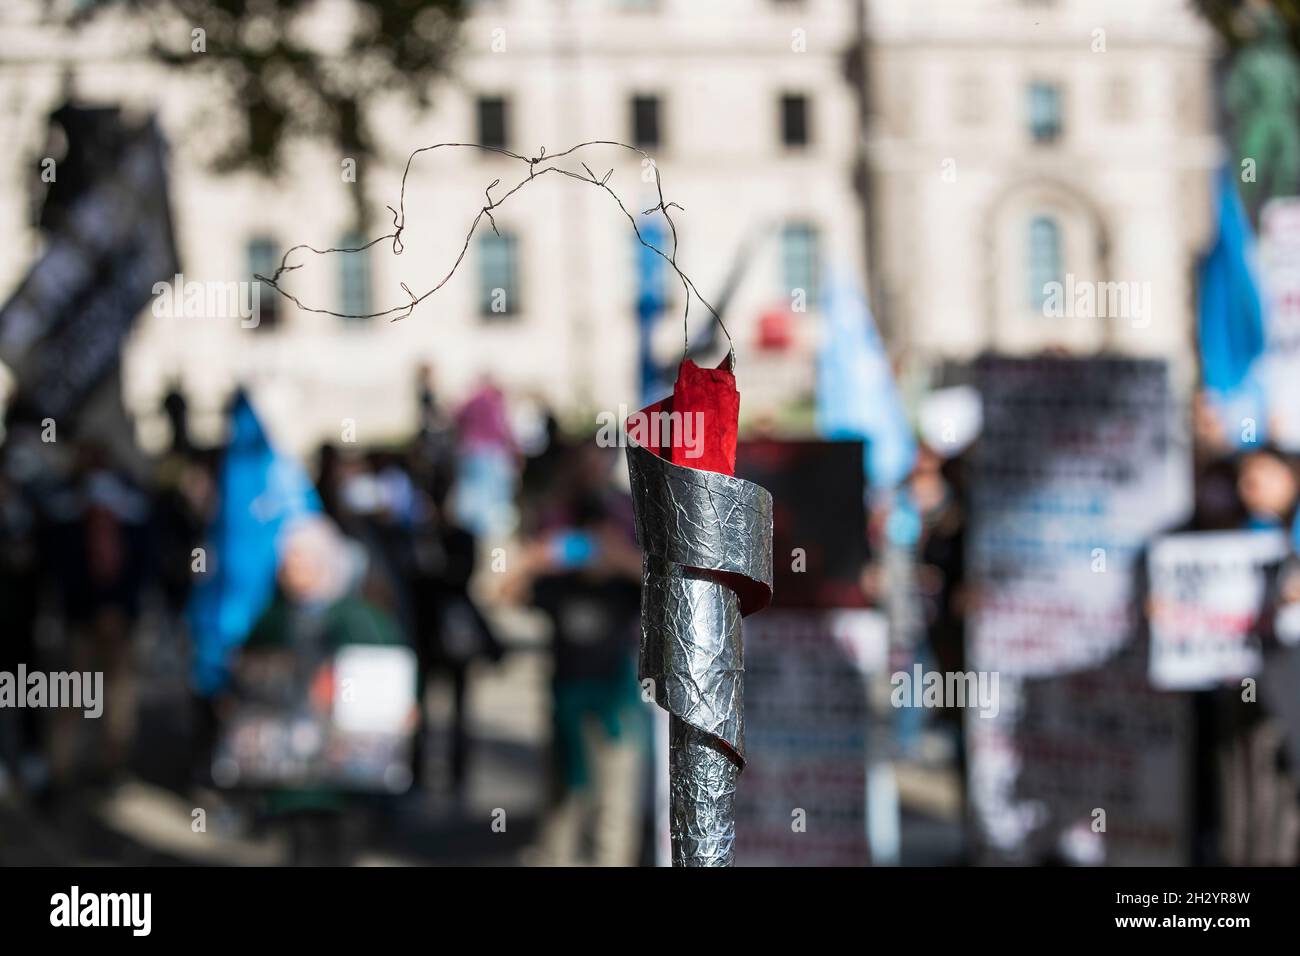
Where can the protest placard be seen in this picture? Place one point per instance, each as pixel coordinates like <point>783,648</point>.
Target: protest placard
<point>62,331</point>
<point>1079,465</point>
<point>802,798</point>
<point>348,723</point>
<point>1207,590</point>
<point>1089,768</point>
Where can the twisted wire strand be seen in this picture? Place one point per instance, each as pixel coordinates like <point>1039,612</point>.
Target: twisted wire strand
<point>546,164</point>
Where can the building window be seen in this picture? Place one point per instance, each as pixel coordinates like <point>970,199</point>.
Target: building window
<point>493,122</point>
<point>646,132</point>
<point>1044,112</point>
<point>1043,258</point>
<point>263,257</point>
<point>799,261</point>
<point>498,263</point>
<point>354,277</point>
<point>794,119</point>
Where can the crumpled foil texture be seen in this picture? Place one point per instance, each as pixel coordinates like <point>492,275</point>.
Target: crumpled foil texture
<point>707,545</point>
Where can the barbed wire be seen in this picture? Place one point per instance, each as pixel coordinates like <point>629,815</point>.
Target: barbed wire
<point>397,313</point>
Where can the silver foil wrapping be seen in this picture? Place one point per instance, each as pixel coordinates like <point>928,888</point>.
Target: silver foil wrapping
<point>707,545</point>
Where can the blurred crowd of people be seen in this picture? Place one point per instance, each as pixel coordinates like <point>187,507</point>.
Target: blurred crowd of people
<point>422,545</point>
<point>76,546</point>
<point>92,556</point>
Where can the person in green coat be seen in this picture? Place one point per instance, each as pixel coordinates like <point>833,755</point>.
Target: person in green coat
<point>315,613</point>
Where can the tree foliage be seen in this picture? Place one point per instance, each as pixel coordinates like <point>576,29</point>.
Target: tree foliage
<point>1231,18</point>
<point>284,69</point>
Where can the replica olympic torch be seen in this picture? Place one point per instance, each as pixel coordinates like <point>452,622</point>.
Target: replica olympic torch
<point>706,540</point>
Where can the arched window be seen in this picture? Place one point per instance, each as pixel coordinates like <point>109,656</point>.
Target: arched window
<point>1043,258</point>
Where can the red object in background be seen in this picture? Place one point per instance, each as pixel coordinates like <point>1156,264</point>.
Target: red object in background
<point>321,692</point>
<point>775,330</point>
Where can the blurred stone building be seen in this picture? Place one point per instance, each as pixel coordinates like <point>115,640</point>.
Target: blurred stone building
<point>745,106</point>
<point>967,154</point>
<point>1013,144</point>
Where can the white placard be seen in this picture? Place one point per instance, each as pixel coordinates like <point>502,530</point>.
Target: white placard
<point>374,689</point>
<point>1207,591</point>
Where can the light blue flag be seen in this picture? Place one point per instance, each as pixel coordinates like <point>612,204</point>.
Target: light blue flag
<point>856,394</point>
<point>1231,328</point>
<point>260,490</point>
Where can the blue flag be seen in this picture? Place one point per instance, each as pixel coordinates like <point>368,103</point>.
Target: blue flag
<point>1231,328</point>
<point>259,490</point>
<point>856,394</point>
